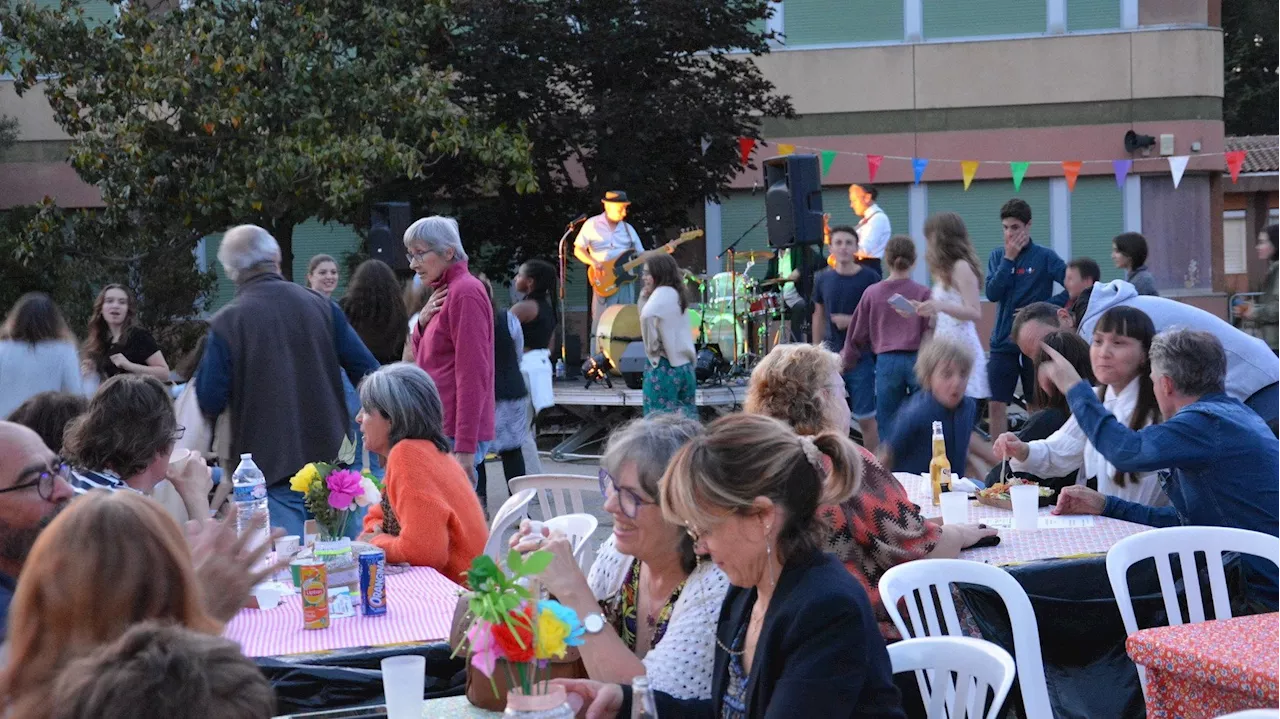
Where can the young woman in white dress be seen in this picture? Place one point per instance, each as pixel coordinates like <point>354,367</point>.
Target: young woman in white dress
<point>955,303</point>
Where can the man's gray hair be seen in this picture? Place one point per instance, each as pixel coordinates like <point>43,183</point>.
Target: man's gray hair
<point>1193,359</point>
<point>438,233</point>
<point>650,442</point>
<point>247,250</point>
<point>407,397</point>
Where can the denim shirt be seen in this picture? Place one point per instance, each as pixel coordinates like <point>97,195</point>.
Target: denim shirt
<point>1222,462</point>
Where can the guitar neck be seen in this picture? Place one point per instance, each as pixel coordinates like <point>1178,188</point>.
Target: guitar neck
<point>641,258</point>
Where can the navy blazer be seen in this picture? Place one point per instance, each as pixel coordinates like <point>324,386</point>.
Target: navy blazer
<point>820,653</point>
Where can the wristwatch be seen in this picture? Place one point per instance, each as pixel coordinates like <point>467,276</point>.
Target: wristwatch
<point>593,623</point>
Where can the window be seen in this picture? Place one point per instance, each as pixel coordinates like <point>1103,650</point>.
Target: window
<point>1235,243</point>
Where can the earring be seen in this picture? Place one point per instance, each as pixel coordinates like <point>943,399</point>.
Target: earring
<point>768,551</point>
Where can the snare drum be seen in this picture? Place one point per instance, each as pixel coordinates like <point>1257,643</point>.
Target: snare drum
<point>725,292</point>
<point>766,305</point>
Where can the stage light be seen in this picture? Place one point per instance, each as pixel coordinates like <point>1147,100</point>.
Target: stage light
<point>596,369</point>
<point>709,363</point>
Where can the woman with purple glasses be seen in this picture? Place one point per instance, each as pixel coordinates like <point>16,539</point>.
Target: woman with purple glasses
<point>650,606</point>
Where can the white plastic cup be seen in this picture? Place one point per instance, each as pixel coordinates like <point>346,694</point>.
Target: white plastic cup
<point>1026,505</point>
<point>403,684</point>
<point>288,545</point>
<point>268,596</point>
<point>955,508</point>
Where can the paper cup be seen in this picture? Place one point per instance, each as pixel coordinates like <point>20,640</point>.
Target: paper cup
<point>268,597</point>
<point>1025,499</point>
<point>288,546</point>
<point>955,508</point>
<point>403,682</point>
<point>177,458</point>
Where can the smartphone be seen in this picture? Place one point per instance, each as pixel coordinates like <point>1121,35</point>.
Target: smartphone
<point>898,302</point>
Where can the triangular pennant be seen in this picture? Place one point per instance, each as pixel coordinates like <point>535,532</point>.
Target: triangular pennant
<point>706,143</point>
<point>1235,161</point>
<point>786,149</point>
<point>745,146</point>
<point>1121,168</point>
<point>873,166</point>
<point>828,157</point>
<point>1019,170</point>
<point>1071,168</point>
<point>917,165</point>
<point>1178,165</point>
<point>968,168</point>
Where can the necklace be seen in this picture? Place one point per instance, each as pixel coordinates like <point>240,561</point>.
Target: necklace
<point>756,618</point>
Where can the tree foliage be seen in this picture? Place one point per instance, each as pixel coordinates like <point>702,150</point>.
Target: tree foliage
<point>1251,45</point>
<point>612,96</point>
<point>223,111</point>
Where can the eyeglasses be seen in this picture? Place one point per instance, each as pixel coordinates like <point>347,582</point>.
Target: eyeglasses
<point>44,481</point>
<point>628,500</point>
<point>178,432</point>
<point>417,256</point>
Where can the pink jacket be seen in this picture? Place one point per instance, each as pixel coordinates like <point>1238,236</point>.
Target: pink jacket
<point>456,349</point>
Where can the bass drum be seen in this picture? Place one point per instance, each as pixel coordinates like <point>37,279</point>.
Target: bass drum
<point>695,324</point>
<point>721,331</point>
<point>619,326</point>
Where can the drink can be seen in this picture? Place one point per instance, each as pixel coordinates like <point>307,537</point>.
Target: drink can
<point>373,582</point>
<point>315,594</point>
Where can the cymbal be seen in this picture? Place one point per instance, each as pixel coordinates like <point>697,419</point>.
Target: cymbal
<point>754,255</point>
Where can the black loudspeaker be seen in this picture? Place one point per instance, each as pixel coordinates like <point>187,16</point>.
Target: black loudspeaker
<point>573,356</point>
<point>387,224</point>
<point>793,200</point>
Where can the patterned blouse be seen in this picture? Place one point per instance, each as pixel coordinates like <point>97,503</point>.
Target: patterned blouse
<point>621,610</point>
<point>734,703</point>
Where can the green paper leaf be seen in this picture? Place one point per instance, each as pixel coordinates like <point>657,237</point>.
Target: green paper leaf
<point>537,562</point>
<point>515,563</point>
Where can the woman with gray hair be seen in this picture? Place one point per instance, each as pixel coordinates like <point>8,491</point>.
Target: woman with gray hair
<point>429,515</point>
<point>453,337</point>
<point>650,605</point>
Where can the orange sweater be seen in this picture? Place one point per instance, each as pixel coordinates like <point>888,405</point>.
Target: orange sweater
<point>441,523</point>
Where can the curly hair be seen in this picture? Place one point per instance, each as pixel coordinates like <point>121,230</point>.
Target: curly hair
<point>787,385</point>
<point>129,421</point>
<point>948,244</point>
<point>376,311</point>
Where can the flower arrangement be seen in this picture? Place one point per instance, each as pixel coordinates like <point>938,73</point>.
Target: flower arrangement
<point>510,623</point>
<point>332,493</point>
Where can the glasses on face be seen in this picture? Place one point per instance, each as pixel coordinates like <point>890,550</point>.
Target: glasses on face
<point>178,432</point>
<point>43,480</point>
<point>628,500</point>
<point>417,256</point>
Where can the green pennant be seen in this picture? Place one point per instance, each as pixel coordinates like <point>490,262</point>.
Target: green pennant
<point>828,157</point>
<point>1019,171</point>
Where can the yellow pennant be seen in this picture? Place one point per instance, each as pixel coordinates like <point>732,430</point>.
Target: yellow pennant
<point>969,168</point>
<point>786,149</point>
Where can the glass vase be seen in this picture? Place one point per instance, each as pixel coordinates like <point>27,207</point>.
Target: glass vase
<point>551,705</point>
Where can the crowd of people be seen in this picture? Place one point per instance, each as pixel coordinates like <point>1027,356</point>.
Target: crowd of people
<point>745,556</point>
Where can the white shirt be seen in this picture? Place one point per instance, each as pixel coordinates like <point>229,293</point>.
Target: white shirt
<point>873,232</point>
<point>606,243</point>
<point>665,329</point>
<point>681,664</point>
<point>1069,449</point>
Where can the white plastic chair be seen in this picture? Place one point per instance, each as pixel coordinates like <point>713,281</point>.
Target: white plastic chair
<point>915,583</point>
<point>979,666</point>
<point>579,528</point>
<point>557,487</point>
<point>1253,714</point>
<point>509,515</point>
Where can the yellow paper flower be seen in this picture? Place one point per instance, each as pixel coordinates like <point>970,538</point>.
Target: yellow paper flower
<point>558,628</point>
<point>303,480</point>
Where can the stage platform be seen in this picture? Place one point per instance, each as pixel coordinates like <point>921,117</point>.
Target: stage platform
<point>601,408</point>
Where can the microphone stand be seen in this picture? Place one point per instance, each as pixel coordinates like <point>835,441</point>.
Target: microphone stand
<point>564,352</point>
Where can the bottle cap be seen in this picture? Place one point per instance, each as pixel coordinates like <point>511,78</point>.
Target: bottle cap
<point>247,455</point>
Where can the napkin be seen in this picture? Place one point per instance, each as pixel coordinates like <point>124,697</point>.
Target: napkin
<point>966,485</point>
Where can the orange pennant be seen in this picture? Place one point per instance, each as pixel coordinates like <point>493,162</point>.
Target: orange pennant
<point>969,168</point>
<point>786,149</point>
<point>1071,168</point>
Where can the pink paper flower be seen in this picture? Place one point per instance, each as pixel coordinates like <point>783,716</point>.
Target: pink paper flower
<point>484,653</point>
<point>344,487</point>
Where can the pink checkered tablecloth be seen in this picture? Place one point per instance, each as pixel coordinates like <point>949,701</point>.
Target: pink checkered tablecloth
<point>420,604</point>
<point>1026,546</point>
<point>1209,669</point>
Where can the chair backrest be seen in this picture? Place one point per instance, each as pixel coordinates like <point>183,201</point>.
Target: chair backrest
<point>915,584</point>
<point>557,488</point>
<point>1253,714</point>
<point>509,515</point>
<point>1184,542</point>
<point>579,527</point>
<point>977,665</point>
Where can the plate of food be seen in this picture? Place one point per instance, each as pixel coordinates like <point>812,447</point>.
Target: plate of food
<point>997,495</point>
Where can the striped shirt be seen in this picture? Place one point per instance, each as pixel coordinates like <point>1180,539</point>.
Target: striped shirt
<point>83,480</point>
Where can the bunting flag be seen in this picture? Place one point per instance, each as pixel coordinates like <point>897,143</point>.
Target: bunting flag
<point>873,166</point>
<point>1019,170</point>
<point>1178,165</point>
<point>745,146</point>
<point>706,143</point>
<point>828,157</point>
<point>918,164</point>
<point>1071,168</point>
<point>969,168</point>
<point>1121,168</point>
<point>786,149</point>
<point>1235,161</point>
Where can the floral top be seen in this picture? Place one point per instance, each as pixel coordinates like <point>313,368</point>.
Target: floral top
<point>682,656</point>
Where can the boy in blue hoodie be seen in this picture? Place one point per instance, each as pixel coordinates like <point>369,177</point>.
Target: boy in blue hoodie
<point>1019,273</point>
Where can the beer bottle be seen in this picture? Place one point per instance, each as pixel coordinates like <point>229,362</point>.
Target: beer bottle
<point>642,704</point>
<point>939,466</point>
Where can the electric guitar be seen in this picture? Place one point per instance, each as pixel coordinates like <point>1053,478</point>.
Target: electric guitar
<point>618,272</point>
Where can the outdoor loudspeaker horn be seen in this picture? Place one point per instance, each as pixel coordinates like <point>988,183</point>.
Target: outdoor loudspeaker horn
<point>793,200</point>
<point>1134,142</point>
<point>387,223</point>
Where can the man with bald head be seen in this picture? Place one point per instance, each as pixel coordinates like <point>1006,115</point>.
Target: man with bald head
<point>33,489</point>
<point>274,356</point>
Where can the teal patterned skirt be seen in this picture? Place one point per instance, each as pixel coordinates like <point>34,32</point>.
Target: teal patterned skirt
<point>670,389</point>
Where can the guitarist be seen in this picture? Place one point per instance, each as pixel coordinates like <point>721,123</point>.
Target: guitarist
<point>606,237</point>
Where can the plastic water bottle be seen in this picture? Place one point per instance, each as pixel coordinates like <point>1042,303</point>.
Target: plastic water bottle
<point>251,500</point>
<point>560,368</point>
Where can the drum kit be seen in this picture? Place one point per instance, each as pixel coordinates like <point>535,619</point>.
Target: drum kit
<point>739,319</point>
